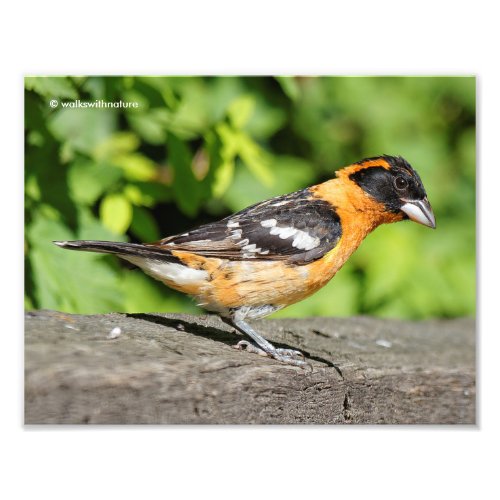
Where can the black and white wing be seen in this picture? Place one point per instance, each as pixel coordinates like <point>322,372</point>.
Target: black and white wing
<point>296,227</point>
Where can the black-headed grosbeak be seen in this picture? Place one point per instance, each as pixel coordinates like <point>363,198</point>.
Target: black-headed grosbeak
<point>279,251</point>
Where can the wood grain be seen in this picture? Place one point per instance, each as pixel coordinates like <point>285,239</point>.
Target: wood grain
<point>180,369</point>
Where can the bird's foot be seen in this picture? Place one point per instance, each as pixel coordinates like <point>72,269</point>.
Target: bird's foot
<point>287,356</point>
<point>245,345</point>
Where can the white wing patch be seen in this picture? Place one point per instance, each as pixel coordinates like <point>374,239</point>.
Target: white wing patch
<point>235,234</point>
<point>242,243</point>
<point>251,248</point>
<point>283,232</point>
<point>301,240</point>
<point>304,241</point>
<point>182,275</point>
<point>249,251</point>
<point>280,203</point>
<point>269,223</point>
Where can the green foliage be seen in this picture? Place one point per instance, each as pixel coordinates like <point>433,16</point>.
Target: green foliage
<point>198,148</point>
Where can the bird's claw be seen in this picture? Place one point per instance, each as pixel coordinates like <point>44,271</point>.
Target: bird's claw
<point>291,353</point>
<point>287,356</point>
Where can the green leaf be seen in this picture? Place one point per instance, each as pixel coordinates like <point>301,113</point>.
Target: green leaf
<point>83,129</point>
<point>265,121</point>
<point>88,181</point>
<point>75,282</point>
<point>223,178</point>
<point>116,213</point>
<point>28,304</point>
<point>150,126</point>
<point>32,188</point>
<point>256,159</point>
<point>133,193</point>
<point>190,119</point>
<point>91,228</point>
<point>144,226</point>
<point>293,173</point>
<point>221,169</point>
<point>47,181</point>
<point>238,143</point>
<point>117,144</point>
<point>240,111</point>
<point>147,194</point>
<point>185,187</point>
<point>136,166</point>
<point>289,86</point>
<point>229,141</point>
<point>56,87</point>
<point>223,91</point>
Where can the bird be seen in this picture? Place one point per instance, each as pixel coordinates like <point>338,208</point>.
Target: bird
<point>279,251</point>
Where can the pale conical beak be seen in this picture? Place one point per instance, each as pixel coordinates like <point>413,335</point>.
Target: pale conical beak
<point>420,211</point>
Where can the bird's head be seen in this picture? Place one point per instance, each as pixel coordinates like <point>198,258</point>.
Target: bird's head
<point>392,182</point>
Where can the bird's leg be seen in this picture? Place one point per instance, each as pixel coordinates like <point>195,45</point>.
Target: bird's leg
<point>263,347</point>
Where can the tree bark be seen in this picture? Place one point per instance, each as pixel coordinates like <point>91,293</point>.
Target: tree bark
<point>181,369</point>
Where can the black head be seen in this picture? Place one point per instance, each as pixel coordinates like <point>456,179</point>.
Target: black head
<point>392,181</point>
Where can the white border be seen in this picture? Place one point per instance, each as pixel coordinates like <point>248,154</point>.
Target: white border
<point>222,37</point>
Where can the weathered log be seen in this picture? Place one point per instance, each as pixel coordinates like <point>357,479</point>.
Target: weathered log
<point>180,369</point>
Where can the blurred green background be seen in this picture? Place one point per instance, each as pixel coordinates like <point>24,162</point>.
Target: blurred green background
<point>199,148</point>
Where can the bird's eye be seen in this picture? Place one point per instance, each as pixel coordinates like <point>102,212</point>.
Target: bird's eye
<point>400,183</point>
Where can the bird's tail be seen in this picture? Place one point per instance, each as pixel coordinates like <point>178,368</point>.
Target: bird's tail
<point>155,260</point>
<point>118,248</point>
